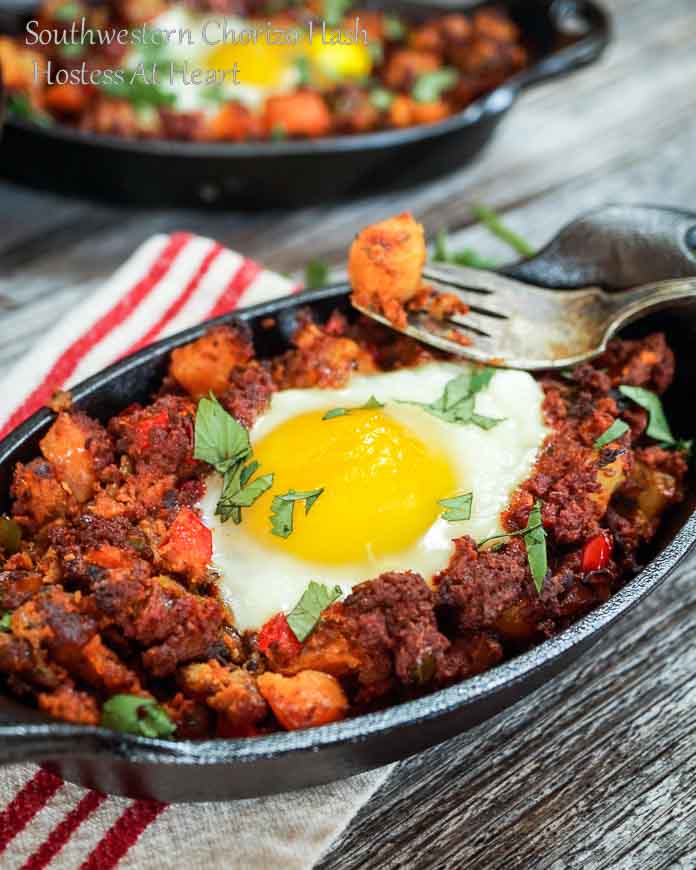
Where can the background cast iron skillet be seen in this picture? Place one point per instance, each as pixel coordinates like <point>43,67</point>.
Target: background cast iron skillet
<point>562,35</point>
<point>616,245</point>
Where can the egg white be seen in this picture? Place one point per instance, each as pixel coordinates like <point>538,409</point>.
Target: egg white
<point>257,582</point>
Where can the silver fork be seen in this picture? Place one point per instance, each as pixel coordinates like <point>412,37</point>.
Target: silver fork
<point>521,326</point>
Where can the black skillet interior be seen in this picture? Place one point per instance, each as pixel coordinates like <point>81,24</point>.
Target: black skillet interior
<point>562,34</point>
<point>222,769</point>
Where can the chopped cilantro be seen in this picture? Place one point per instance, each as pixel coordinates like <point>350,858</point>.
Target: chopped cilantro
<point>658,427</point>
<point>534,536</point>
<point>393,27</point>
<point>283,506</point>
<point>430,86</point>
<point>335,10</point>
<point>463,257</point>
<point>304,616</point>
<point>135,715</point>
<point>457,508</point>
<point>494,223</point>
<point>316,274</point>
<point>6,621</point>
<point>381,99</point>
<point>456,405</point>
<point>616,430</point>
<point>20,106</point>
<point>369,405</point>
<point>137,92</point>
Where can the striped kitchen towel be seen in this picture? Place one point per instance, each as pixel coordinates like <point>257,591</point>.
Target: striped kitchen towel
<point>170,283</point>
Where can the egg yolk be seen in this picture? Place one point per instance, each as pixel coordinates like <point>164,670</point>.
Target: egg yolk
<point>381,486</point>
<point>262,64</point>
<point>335,62</point>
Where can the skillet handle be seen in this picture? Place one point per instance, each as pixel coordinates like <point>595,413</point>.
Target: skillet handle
<point>580,52</point>
<point>615,247</point>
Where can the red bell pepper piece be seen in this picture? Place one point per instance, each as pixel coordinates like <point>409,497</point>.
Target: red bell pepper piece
<point>276,631</point>
<point>597,552</point>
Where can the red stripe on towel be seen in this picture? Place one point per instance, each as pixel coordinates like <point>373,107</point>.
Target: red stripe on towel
<point>31,798</point>
<point>66,364</point>
<point>179,302</point>
<point>230,296</point>
<point>122,835</point>
<point>60,835</point>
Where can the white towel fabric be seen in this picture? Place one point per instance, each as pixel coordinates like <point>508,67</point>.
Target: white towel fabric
<point>170,283</point>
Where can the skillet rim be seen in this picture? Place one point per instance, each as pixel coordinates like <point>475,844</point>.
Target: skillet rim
<point>143,750</point>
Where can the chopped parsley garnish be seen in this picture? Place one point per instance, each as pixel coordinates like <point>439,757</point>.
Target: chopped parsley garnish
<point>616,430</point>
<point>534,536</point>
<point>456,405</point>
<point>10,535</point>
<point>72,50</point>
<point>369,405</point>
<point>494,223</point>
<point>135,715</point>
<point>304,71</point>
<point>6,621</point>
<point>316,274</point>
<point>430,86</point>
<point>68,11</point>
<point>335,10</point>
<point>283,506</point>
<point>304,616</point>
<point>139,93</point>
<point>20,106</point>
<point>535,542</point>
<point>393,27</point>
<point>224,443</point>
<point>457,508</point>
<point>381,99</point>
<point>658,427</point>
<point>463,257</point>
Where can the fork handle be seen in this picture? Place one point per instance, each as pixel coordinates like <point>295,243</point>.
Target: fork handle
<point>615,247</point>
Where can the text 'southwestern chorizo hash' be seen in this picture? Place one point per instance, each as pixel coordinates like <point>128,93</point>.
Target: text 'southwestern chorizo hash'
<point>314,68</point>
<point>281,543</point>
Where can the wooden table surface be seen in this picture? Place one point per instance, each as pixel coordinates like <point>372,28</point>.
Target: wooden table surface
<point>597,769</point>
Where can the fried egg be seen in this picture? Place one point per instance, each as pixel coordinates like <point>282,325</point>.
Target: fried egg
<point>383,471</point>
<point>267,65</point>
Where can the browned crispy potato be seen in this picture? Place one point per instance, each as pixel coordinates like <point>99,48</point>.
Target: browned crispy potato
<point>306,700</point>
<point>72,445</point>
<point>205,364</point>
<point>610,478</point>
<point>38,495</point>
<point>303,113</point>
<point>385,264</point>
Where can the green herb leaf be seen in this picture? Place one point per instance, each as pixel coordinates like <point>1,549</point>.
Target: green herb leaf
<point>72,50</point>
<point>494,223</point>
<point>278,133</point>
<point>10,535</point>
<point>20,106</point>
<point>684,444</point>
<point>6,621</point>
<point>458,508</point>
<point>616,430</point>
<point>393,27</point>
<point>456,404</point>
<point>335,10</point>
<point>369,405</point>
<point>68,11</point>
<point>463,257</point>
<point>304,616</point>
<point>304,71</point>
<point>282,509</point>
<point>535,543</point>
<point>137,92</point>
<point>430,86</point>
<point>219,439</point>
<point>134,715</point>
<point>381,99</point>
<point>316,274</point>
<point>658,427</point>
